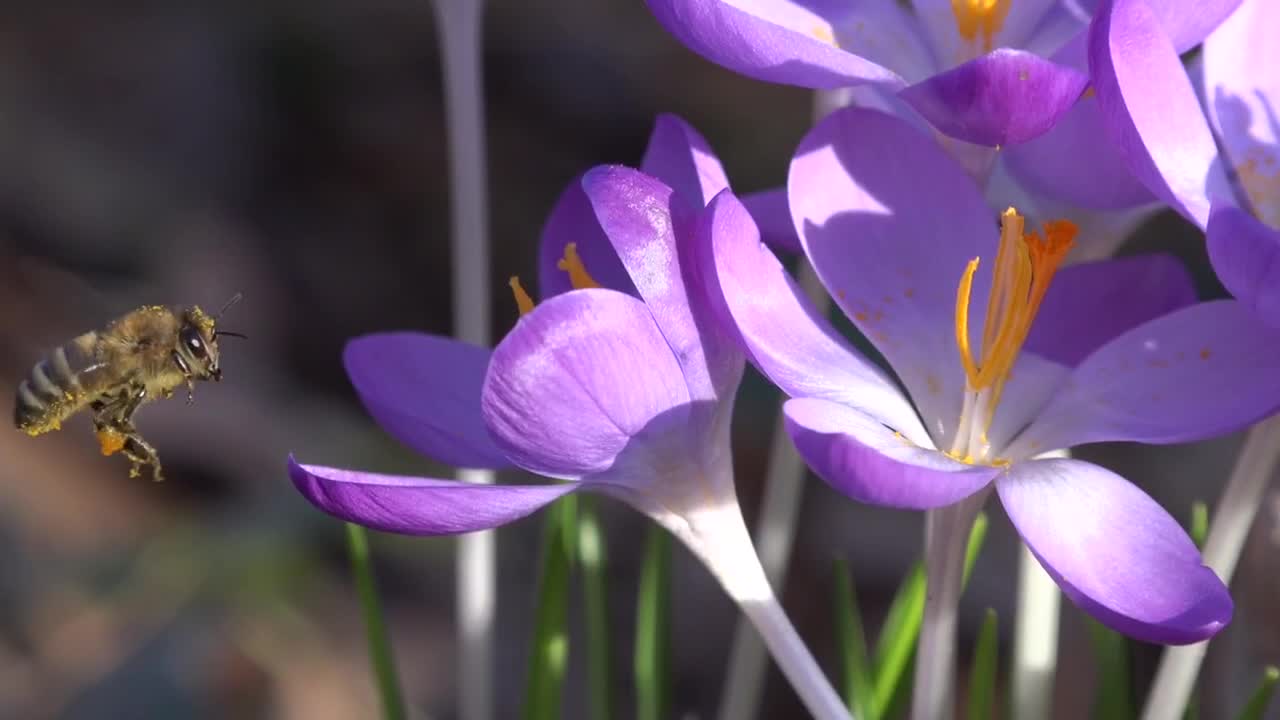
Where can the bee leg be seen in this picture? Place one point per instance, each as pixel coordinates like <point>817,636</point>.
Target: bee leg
<point>141,453</point>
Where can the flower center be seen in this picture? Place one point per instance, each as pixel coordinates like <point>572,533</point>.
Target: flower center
<point>571,263</point>
<point>980,16</point>
<point>1024,266</point>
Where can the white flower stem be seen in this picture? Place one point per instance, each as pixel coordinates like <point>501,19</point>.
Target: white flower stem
<point>1228,528</point>
<point>719,537</point>
<point>458,26</point>
<point>779,512</point>
<point>1035,633</point>
<point>945,539</point>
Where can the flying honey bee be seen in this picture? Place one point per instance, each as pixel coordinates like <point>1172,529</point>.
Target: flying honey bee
<point>141,356</point>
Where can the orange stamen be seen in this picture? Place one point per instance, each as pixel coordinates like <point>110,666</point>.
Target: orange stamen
<point>523,301</point>
<point>980,16</point>
<point>571,263</point>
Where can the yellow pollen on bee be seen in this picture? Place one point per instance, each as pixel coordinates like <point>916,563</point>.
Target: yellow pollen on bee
<point>523,301</point>
<point>980,16</point>
<point>1025,264</point>
<point>110,441</point>
<point>571,263</point>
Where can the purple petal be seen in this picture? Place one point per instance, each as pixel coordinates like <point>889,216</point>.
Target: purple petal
<point>1246,256</point>
<point>770,40</point>
<point>952,49</point>
<point>1242,94</point>
<point>1150,109</point>
<point>773,218</point>
<point>1090,304</point>
<point>1002,98</point>
<point>425,391</point>
<point>871,463</point>
<point>577,379</point>
<point>1077,164</point>
<point>1188,22</point>
<point>651,230</point>
<point>787,339</point>
<point>418,505</point>
<point>572,220</point>
<point>1201,371</point>
<point>889,222</point>
<point>1114,551</point>
<point>680,157</point>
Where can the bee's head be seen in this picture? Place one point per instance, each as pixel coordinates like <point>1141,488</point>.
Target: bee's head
<point>198,346</point>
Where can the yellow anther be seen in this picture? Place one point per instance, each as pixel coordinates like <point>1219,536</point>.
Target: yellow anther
<point>962,319</point>
<point>523,301</point>
<point>571,263</point>
<point>980,16</point>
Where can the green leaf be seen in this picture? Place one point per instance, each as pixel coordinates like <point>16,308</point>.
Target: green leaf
<point>1262,696</point>
<point>855,681</point>
<point>653,619</point>
<point>1199,528</point>
<point>982,678</point>
<point>384,663</point>
<point>896,645</point>
<point>1111,650</point>
<point>591,552</point>
<point>549,653</point>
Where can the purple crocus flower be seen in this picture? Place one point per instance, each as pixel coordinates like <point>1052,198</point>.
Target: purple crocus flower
<point>1153,113</point>
<point>1114,350</point>
<point>626,392</point>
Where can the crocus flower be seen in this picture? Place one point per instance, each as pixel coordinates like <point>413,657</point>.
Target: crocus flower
<point>626,394</point>
<point>1153,113</point>
<point>1003,355</point>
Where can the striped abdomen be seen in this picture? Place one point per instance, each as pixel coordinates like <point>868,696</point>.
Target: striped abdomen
<point>58,386</point>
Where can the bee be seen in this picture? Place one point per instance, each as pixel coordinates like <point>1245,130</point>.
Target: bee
<point>141,356</point>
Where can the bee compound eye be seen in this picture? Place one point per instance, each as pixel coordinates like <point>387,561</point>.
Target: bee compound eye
<point>191,338</point>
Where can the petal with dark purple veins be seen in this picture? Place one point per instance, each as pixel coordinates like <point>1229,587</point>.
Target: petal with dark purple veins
<point>425,391</point>
<point>1198,372</point>
<point>771,40</point>
<point>418,505</point>
<point>1150,110</point>
<point>578,380</point>
<point>1003,98</point>
<point>871,463</point>
<point>889,222</point>
<point>788,340</point>
<point>1090,304</point>
<point>1246,255</point>
<point>1114,551</point>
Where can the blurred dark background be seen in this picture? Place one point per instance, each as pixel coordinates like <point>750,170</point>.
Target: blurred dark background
<point>295,152</point>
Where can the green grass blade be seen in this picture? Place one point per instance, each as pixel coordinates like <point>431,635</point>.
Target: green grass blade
<point>1257,706</point>
<point>1111,651</point>
<point>384,664</point>
<point>592,554</point>
<point>653,620</point>
<point>1199,528</point>
<point>549,651</point>
<point>982,678</point>
<point>855,678</point>
<point>896,645</point>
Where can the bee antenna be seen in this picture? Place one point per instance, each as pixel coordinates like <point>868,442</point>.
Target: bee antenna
<point>234,299</point>
<point>221,333</point>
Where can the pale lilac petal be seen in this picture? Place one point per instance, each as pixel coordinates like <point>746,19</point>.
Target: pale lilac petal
<point>652,231</point>
<point>1189,22</point>
<point>1077,164</point>
<point>889,222</point>
<point>1151,113</point>
<point>1114,551</point>
<point>572,220</point>
<point>1030,386</point>
<point>787,339</point>
<point>1201,371</point>
<point>883,32</point>
<point>425,391</point>
<point>1242,95</point>
<point>418,505</point>
<point>771,40</point>
<point>578,380</point>
<point>1060,25</point>
<point>871,463</point>
<point>1023,17</point>
<point>681,158</point>
<point>773,218</point>
<point>1003,98</point>
<point>1090,304</point>
<point>1246,256</point>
